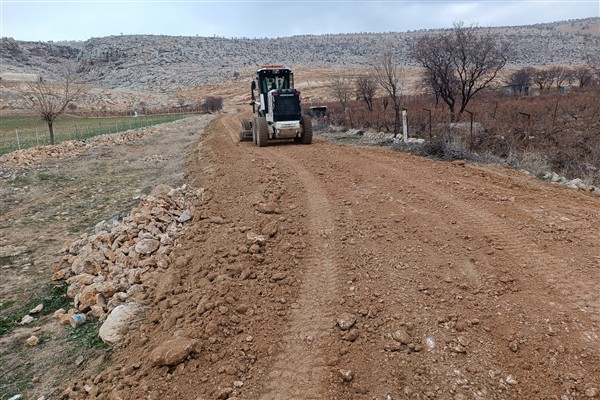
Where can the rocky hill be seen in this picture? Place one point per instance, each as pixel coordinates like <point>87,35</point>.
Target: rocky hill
<point>162,64</point>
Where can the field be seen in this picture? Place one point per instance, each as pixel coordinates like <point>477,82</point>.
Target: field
<point>21,132</point>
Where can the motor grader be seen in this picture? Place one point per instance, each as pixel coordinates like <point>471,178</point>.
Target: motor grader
<point>277,111</point>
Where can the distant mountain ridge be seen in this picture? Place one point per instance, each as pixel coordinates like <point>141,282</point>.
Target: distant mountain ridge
<point>163,64</point>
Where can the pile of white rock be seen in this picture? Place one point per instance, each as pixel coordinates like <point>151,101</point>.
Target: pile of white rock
<point>111,267</point>
<point>576,183</point>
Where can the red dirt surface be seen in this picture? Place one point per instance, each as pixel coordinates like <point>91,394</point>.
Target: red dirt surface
<point>381,276</point>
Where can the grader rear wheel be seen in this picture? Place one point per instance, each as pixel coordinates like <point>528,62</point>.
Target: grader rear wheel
<point>307,132</point>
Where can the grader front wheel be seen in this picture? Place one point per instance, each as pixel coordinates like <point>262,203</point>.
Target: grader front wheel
<point>261,133</point>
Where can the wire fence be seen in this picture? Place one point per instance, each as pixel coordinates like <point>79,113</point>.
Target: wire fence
<point>27,138</point>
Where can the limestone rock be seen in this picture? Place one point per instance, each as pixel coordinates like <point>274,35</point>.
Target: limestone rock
<point>87,261</point>
<point>185,216</point>
<point>119,322</point>
<point>36,309</point>
<point>346,374</point>
<point>173,351</point>
<point>161,190</point>
<point>32,341</point>
<point>401,336</point>
<point>346,321</point>
<point>147,246</point>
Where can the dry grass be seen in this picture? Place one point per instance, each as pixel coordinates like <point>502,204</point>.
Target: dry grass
<point>561,134</point>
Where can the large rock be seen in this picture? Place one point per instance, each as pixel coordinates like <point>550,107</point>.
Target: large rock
<point>147,246</point>
<point>119,322</point>
<point>173,352</point>
<point>87,261</point>
<point>88,295</point>
<point>166,285</point>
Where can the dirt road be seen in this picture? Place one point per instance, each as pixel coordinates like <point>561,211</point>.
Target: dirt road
<point>335,272</point>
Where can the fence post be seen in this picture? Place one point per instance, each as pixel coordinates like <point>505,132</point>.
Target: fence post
<point>470,131</point>
<point>528,129</point>
<point>429,111</point>
<point>18,142</point>
<point>404,126</point>
<point>37,139</point>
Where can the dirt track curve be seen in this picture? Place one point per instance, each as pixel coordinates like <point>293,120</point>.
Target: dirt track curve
<point>379,275</point>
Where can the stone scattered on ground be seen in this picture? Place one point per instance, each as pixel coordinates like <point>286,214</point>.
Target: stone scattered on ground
<point>346,321</point>
<point>173,351</point>
<point>36,309</point>
<point>576,183</point>
<point>32,341</point>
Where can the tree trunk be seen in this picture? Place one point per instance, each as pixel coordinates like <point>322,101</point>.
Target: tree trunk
<point>452,114</point>
<point>51,130</point>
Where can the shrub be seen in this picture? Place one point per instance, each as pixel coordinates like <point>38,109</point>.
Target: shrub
<point>212,104</point>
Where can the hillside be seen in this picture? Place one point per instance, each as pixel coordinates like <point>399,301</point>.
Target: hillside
<point>163,64</point>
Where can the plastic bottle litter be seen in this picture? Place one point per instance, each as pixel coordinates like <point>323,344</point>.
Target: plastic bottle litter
<point>77,319</point>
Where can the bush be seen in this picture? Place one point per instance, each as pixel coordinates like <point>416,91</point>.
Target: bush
<point>212,104</point>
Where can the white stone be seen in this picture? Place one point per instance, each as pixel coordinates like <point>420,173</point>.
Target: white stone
<point>119,322</point>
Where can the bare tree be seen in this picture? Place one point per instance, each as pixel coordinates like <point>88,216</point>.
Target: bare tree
<point>543,78</point>
<point>520,79</point>
<point>341,91</point>
<point>584,76</point>
<point>389,76</point>
<point>366,88</point>
<point>560,75</point>
<point>459,64</point>
<point>181,102</point>
<point>50,99</point>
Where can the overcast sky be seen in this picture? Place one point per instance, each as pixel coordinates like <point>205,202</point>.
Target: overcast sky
<point>43,20</point>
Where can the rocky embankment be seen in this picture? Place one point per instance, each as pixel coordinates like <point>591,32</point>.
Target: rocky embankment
<point>109,272</point>
<point>166,63</point>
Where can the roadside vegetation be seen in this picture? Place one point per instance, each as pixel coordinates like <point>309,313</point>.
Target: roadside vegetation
<point>548,131</point>
<point>543,119</point>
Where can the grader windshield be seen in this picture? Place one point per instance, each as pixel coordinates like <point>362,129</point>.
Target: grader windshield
<point>270,78</point>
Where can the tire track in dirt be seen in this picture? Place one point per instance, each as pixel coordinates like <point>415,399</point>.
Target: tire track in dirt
<point>299,371</point>
<point>505,239</point>
<point>230,130</point>
<point>504,285</point>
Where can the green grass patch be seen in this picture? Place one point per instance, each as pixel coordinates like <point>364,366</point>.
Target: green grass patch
<point>33,131</point>
<point>21,180</point>
<point>87,336</point>
<point>53,296</point>
<point>7,323</point>
<point>6,260</point>
<point>6,305</point>
<point>43,177</point>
